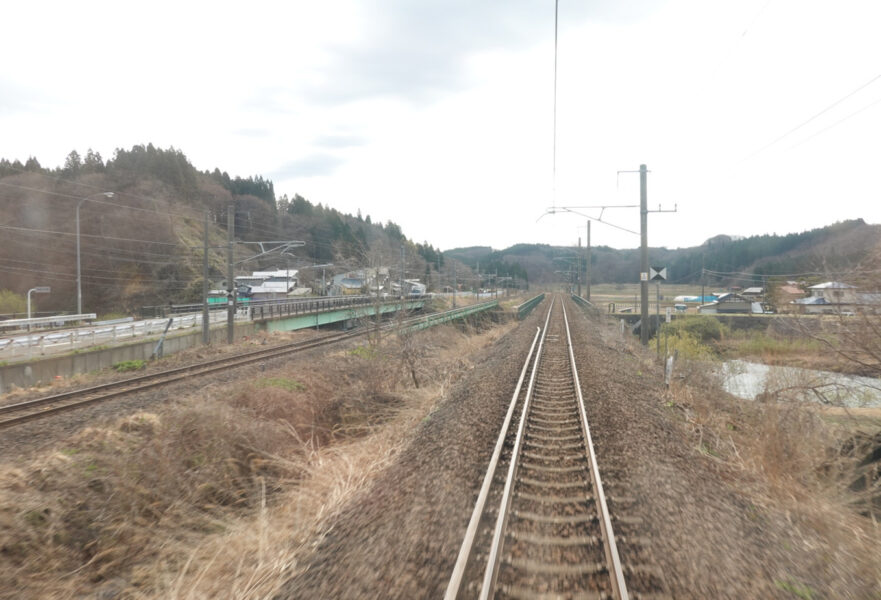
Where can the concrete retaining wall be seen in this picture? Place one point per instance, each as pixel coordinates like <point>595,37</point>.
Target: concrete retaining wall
<point>44,370</point>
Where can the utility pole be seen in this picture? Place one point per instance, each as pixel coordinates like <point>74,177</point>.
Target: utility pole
<point>587,270</point>
<point>455,286</point>
<point>643,256</point>
<point>478,279</point>
<point>402,271</point>
<point>703,283</point>
<point>206,316</point>
<point>230,275</point>
<point>578,262</point>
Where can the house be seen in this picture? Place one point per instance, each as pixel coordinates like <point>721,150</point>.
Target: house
<point>412,287</point>
<point>268,285</point>
<point>348,284</point>
<point>729,304</point>
<point>835,292</point>
<point>753,293</point>
<point>368,280</point>
<point>829,298</point>
<point>836,298</point>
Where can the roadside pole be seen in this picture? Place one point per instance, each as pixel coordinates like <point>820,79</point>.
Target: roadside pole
<point>206,317</point>
<point>643,256</point>
<point>587,271</point>
<point>658,316</point>
<point>230,275</point>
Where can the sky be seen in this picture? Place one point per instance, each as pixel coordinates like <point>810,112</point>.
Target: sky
<point>752,116</point>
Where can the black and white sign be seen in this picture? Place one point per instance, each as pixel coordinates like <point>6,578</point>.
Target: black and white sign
<point>658,273</point>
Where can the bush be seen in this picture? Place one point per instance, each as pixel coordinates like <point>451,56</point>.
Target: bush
<point>704,329</point>
<point>10,302</point>
<point>687,345</point>
<point>129,365</point>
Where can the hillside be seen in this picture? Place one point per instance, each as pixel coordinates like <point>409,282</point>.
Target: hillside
<point>723,259</point>
<point>144,245</point>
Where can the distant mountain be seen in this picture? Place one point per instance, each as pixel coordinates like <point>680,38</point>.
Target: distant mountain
<point>837,248</point>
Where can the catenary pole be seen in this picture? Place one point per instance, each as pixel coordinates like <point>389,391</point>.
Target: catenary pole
<point>230,274</point>
<point>587,270</point>
<point>643,256</point>
<point>206,317</point>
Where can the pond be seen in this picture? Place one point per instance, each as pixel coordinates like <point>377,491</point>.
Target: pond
<point>748,380</point>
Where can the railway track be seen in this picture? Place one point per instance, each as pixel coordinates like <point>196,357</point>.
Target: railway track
<point>23,412</point>
<point>541,526</point>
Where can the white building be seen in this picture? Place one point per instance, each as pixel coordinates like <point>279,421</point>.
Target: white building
<point>269,285</point>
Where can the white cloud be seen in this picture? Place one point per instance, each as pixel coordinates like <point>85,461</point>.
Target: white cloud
<point>438,115</point>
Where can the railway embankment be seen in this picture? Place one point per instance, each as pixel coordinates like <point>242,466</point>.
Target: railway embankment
<point>353,473</point>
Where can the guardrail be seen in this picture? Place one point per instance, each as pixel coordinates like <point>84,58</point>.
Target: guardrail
<point>273,310</point>
<point>526,308</point>
<point>455,313</point>
<point>28,345</point>
<point>36,344</point>
<point>583,303</point>
<point>56,320</point>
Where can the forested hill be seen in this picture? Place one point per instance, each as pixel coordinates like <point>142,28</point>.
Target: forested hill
<point>835,248</point>
<point>143,245</point>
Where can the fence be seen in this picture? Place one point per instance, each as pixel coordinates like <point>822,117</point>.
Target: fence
<point>526,308</point>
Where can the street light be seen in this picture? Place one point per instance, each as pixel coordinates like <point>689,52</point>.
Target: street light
<point>38,290</point>
<point>79,279</point>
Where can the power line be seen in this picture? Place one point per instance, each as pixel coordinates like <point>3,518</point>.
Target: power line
<point>86,235</point>
<point>836,123</point>
<point>111,281</point>
<point>825,110</point>
<point>87,185</point>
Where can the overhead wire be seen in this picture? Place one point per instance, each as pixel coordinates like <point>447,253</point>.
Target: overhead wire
<point>554,168</point>
<point>835,124</point>
<point>813,117</point>
<point>91,186</point>
<point>87,235</point>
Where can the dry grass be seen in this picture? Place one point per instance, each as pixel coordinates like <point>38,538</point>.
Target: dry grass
<point>223,494</point>
<point>791,455</point>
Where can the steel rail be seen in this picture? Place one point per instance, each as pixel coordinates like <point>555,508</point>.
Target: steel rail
<point>555,357</point>
<point>465,550</point>
<point>74,399</point>
<point>619,586</point>
<point>495,555</point>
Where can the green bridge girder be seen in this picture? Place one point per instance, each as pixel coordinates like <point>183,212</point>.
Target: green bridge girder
<point>304,321</point>
<point>450,315</point>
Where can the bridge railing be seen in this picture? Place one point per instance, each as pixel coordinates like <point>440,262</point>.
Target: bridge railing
<point>526,308</point>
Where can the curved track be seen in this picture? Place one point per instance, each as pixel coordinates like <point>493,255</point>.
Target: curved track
<point>541,527</point>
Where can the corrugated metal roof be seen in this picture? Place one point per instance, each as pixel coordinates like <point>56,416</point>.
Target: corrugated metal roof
<point>832,285</point>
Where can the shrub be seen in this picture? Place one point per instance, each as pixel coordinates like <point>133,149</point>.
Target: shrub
<point>10,302</point>
<point>705,329</point>
<point>129,365</point>
<point>688,345</point>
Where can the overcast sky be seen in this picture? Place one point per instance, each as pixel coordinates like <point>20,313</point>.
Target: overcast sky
<point>438,114</point>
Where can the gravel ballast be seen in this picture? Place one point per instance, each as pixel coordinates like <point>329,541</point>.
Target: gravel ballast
<point>705,529</point>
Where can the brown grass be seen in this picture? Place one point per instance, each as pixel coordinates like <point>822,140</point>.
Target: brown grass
<point>792,455</point>
<point>224,493</point>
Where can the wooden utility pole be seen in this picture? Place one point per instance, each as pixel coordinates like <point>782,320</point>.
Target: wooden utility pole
<point>401,282</point>
<point>643,256</point>
<point>232,292</point>
<point>206,317</point>
<point>587,271</point>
